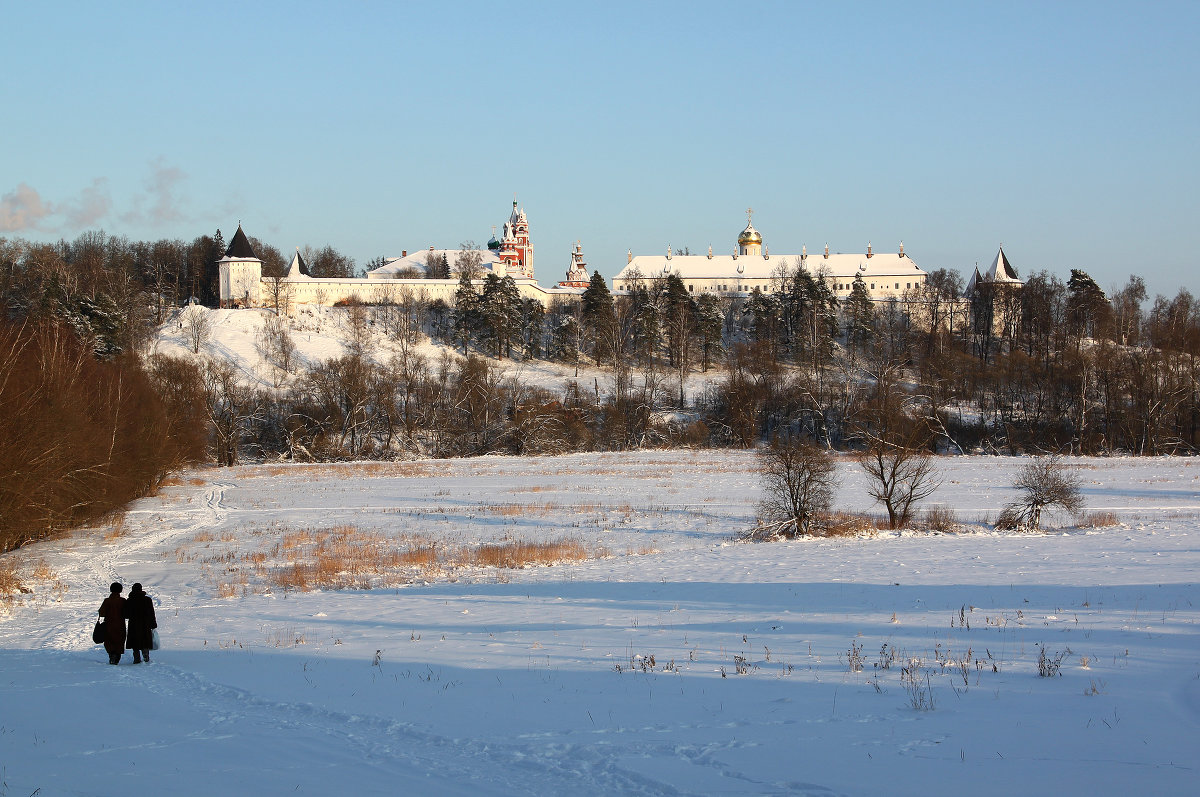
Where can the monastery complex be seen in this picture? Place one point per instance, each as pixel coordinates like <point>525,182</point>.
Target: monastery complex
<point>752,267</point>
<point>243,285</point>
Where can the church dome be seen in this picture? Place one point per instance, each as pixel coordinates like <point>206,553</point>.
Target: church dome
<point>749,236</point>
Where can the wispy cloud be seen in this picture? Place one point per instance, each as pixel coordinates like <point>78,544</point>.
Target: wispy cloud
<point>90,207</point>
<point>160,202</point>
<point>23,209</point>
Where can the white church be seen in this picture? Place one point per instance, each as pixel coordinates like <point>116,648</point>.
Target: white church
<point>752,266</point>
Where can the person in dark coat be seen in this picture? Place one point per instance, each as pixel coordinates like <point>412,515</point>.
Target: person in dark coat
<point>113,612</point>
<point>139,610</point>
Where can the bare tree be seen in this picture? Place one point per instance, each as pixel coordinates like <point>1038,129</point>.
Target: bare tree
<point>798,478</point>
<point>1044,482</point>
<point>231,406</point>
<point>197,326</point>
<point>469,261</point>
<point>279,294</point>
<point>900,472</point>
<point>401,315</point>
<point>358,338</point>
<point>275,344</point>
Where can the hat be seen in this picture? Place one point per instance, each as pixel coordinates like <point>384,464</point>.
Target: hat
<point>115,587</point>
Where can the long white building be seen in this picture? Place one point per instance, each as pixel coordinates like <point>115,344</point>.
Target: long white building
<point>886,275</point>
<point>243,285</point>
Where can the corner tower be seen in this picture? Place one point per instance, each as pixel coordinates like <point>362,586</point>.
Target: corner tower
<point>240,273</point>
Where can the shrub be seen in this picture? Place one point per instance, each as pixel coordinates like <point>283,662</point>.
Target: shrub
<point>846,524</point>
<point>798,478</point>
<point>941,518</point>
<point>1044,482</point>
<point>1099,520</point>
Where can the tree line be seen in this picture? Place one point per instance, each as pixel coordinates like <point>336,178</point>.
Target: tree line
<point>1052,366</point>
<point>89,423</point>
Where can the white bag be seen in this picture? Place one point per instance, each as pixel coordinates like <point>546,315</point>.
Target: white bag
<point>154,639</point>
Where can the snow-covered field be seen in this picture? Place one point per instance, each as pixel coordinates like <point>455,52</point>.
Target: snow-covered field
<point>672,661</point>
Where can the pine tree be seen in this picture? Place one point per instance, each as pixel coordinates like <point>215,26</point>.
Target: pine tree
<point>532,323</point>
<point>680,317</point>
<point>499,311</point>
<point>859,314</point>
<point>598,317</point>
<point>466,313</point>
<point>1087,305</point>
<point>209,290</point>
<point>647,323</point>
<point>564,339</point>
<point>709,323</point>
<point>765,313</point>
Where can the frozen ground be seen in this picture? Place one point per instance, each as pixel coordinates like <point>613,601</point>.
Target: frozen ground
<point>540,680</point>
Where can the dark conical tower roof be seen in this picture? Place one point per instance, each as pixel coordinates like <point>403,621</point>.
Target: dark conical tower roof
<point>240,247</point>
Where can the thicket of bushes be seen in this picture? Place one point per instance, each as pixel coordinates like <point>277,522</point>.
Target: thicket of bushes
<point>79,437</point>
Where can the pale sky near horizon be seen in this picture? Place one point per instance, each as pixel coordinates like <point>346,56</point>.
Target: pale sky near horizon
<point>1066,131</point>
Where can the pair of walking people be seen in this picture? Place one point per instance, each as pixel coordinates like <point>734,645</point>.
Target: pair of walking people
<point>138,610</point>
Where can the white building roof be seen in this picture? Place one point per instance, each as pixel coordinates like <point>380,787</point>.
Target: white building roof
<point>1001,271</point>
<point>297,270</point>
<point>416,260</point>
<point>838,266</point>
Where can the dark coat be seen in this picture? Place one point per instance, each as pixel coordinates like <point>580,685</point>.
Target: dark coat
<point>139,610</point>
<point>113,612</point>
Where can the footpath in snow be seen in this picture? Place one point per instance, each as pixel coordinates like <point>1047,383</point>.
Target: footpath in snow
<point>668,660</point>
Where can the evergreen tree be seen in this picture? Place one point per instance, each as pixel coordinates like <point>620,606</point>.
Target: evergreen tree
<point>646,318</point>
<point>533,316</point>
<point>564,339</point>
<point>208,290</point>
<point>598,317</point>
<point>709,323</point>
<point>1087,305</point>
<point>859,314</point>
<point>765,314</point>
<point>809,316</point>
<point>679,315</point>
<point>499,312</point>
<point>466,313</point>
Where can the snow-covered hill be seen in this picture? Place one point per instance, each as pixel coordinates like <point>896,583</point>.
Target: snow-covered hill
<point>320,333</point>
<point>670,661</point>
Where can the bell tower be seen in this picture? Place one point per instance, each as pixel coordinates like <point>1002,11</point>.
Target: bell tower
<point>516,249</point>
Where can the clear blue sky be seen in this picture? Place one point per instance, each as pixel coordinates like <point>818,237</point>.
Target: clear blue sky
<point>1066,131</point>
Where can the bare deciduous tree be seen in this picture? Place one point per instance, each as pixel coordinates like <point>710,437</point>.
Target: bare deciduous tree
<point>358,338</point>
<point>275,344</point>
<point>1044,482</point>
<point>231,407</point>
<point>468,262</point>
<point>279,294</point>
<point>197,326</point>
<point>900,474</point>
<point>798,478</point>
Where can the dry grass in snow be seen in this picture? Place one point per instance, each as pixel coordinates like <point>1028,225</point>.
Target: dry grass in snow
<point>347,557</point>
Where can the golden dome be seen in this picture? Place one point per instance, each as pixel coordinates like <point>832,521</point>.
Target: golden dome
<point>749,236</point>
